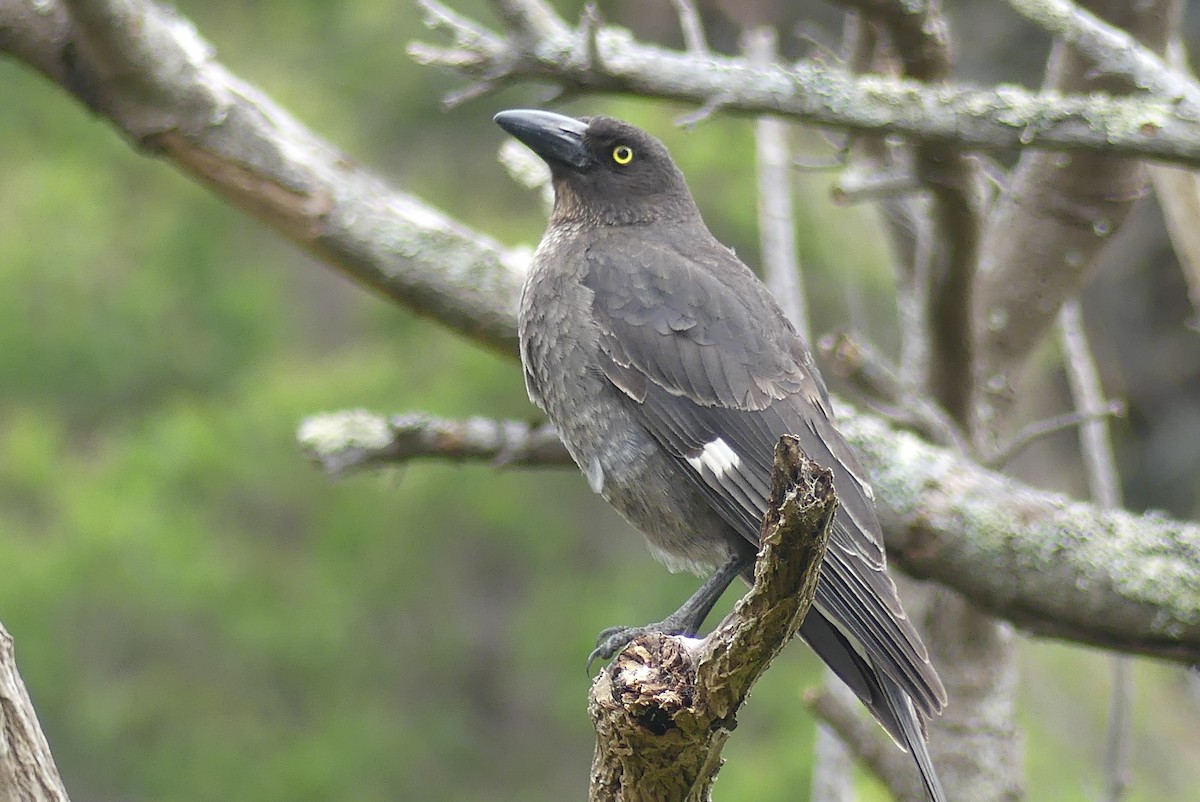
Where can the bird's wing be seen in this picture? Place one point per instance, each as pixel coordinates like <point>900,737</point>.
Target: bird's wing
<point>717,375</point>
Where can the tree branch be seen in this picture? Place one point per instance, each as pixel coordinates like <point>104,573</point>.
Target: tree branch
<point>1178,193</point>
<point>1000,118</point>
<point>155,80</point>
<point>921,42</point>
<point>344,442</point>
<point>27,770</point>
<point>1053,566</point>
<point>1056,567</point>
<point>776,220</point>
<point>884,170</point>
<point>1112,50</point>
<point>1088,395</point>
<point>665,707</point>
<point>1046,230</point>
<point>867,370</point>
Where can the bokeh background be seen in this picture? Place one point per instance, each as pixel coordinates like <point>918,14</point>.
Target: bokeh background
<point>199,614</point>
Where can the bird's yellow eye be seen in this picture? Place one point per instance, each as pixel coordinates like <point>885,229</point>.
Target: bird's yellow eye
<point>622,154</point>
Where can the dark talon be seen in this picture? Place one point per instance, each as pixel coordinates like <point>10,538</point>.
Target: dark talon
<point>612,640</point>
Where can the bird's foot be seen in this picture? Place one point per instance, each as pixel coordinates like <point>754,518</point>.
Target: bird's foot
<point>614,639</point>
<point>686,621</point>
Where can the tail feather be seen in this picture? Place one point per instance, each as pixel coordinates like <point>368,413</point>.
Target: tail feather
<point>881,695</point>
<point>912,731</point>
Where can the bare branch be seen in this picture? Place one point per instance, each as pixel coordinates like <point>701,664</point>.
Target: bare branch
<point>1084,380</point>
<point>27,770</point>
<point>857,185</point>
<point>868,371</point>
<point>693,29</point>
<point>1102,479</point>
<point>155,80</point>
<point>1035,431</point>
<point>1088,574</point>
<point>666,705</point>
<point>776,221</point>
<point>343,442</point>
<point>708,108</point>
<point>998,118</point>
<point>943,285</point>
<point>1112,50</point>
<point>1053,566</point>
<point>1178,193</point>
<point>1046,230</point>
<point>587,47</point>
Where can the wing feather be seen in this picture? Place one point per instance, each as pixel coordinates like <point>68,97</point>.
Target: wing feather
<point>698,362</point>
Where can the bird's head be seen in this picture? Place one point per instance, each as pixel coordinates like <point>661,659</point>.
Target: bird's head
<point>605,171</point>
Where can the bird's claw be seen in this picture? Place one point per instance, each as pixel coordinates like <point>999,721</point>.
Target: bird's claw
<point>614,639</point>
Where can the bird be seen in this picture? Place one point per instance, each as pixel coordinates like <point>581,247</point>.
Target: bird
<point>670,372</point>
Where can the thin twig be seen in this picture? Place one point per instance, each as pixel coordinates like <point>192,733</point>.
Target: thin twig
<point>1088,395</point>
<point>708,108</point>
<point>776,219</point>
<point>691,26</point>
<point>856,185</point>
<point>477,89</point>
<point>1091,405</point>
<point>867,370</point>
<point>837,161</point>
<point>1035,431</point>
<point>587,46</point>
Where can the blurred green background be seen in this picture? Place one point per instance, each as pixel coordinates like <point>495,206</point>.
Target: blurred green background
<point>199,614</point>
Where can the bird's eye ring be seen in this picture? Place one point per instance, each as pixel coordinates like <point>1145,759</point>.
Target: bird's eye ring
<point>622,154</point>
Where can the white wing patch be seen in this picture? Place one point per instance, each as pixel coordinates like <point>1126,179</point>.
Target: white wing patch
<point>717,456</point>
<point>595,476</point>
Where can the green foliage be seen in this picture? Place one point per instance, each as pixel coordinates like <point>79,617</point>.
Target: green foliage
<point>199,613</point>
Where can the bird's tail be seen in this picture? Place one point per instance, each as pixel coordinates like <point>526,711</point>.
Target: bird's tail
<point>912,734</point>
<point>882,695</point>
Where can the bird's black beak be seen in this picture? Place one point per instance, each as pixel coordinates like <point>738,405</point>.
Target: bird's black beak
<point>558,139</point>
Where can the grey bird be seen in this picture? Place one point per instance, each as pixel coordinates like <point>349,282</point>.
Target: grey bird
<point>670,373</point>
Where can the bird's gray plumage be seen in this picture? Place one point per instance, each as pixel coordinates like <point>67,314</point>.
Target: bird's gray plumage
<point>670,373</point>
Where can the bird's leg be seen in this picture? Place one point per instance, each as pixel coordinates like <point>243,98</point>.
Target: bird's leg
<point>686,621</point>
